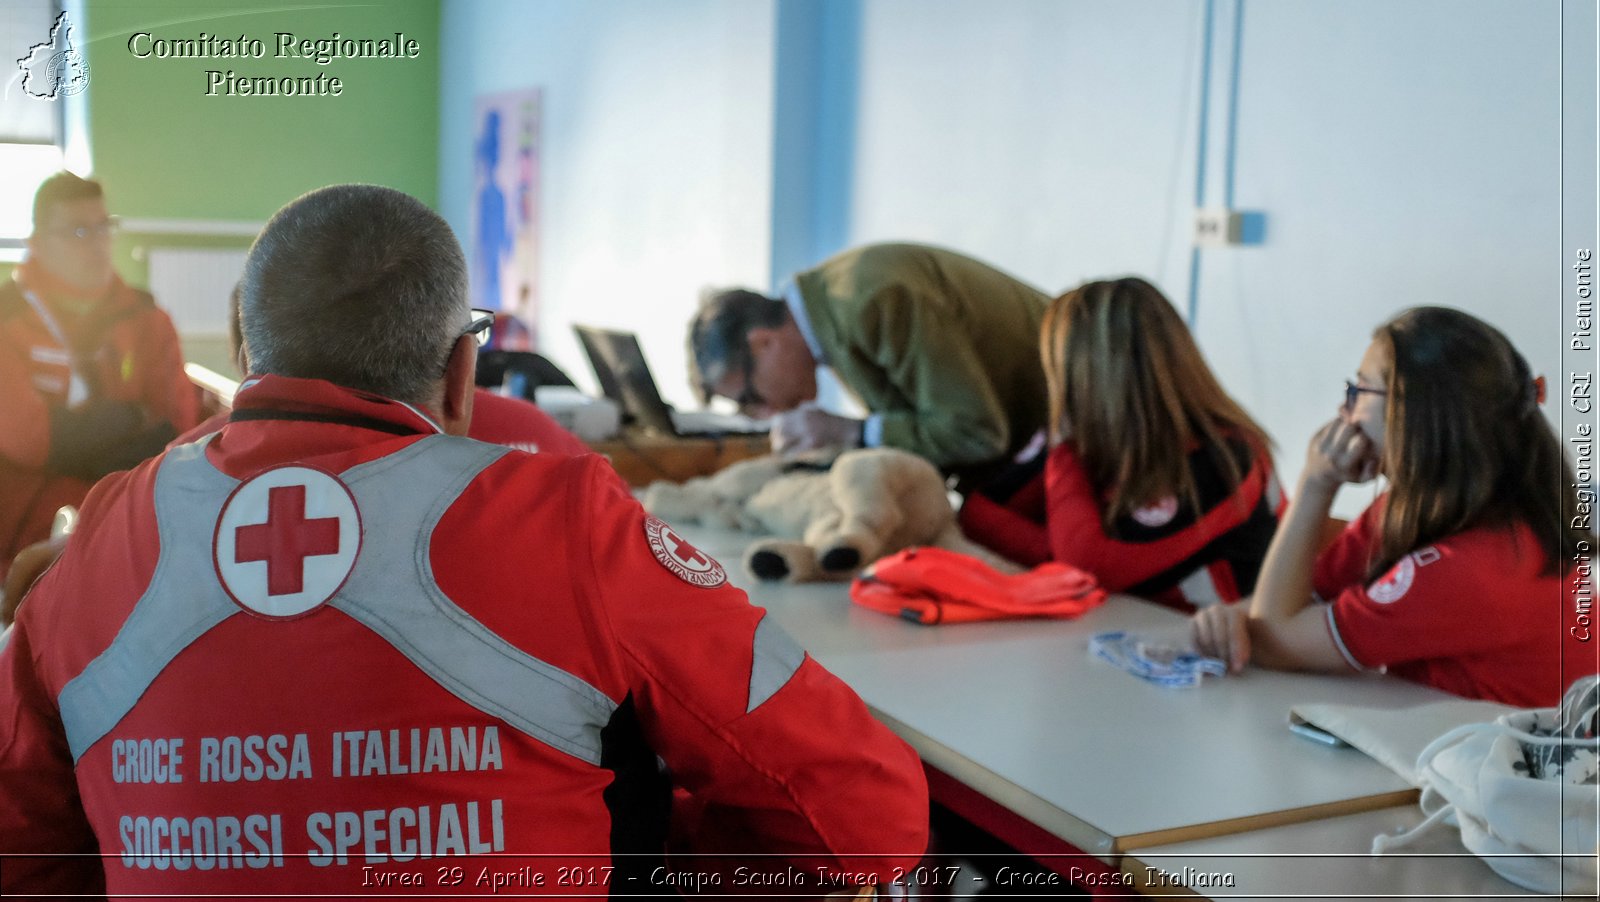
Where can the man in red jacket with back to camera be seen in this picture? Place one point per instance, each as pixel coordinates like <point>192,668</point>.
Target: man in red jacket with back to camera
<point>278,660</point>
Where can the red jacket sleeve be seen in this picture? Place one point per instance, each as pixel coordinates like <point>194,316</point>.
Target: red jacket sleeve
<point>1343,564</point>
<point>166,390</point>
<point>40,812</point>
<point>25,440</point>
<point>783,757</point>
<point>1004,529</point>
<point>1462,598</point>
<point>1078,536</point>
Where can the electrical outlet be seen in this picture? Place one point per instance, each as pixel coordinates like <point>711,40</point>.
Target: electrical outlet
<point>1220,227</point>
<point>1214,227</point>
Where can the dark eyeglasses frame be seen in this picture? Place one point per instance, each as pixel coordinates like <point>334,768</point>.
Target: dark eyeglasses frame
<point>481,326</point>
<point>748,396</point>
<point>1353,393</point>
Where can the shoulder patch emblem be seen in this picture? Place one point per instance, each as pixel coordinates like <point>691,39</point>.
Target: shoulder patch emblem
<point>1396,583</point>
<point>1158,514</point>
<point>682,559</point>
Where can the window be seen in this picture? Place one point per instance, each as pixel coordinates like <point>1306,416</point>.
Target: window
<point>31,128</point>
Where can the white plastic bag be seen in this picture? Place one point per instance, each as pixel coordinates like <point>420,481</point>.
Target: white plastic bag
<point>1524,790</point>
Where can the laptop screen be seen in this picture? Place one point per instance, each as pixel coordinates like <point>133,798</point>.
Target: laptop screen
<point>620,369</point>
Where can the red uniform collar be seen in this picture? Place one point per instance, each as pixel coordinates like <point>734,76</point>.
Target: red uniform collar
<point>315,400</point>
<point>278,419</point>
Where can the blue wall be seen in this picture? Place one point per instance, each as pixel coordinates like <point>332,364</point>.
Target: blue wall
<point>818,66</point>
<point>1403,151</point>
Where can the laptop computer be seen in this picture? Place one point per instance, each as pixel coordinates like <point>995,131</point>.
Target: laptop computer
<point>625,378</point>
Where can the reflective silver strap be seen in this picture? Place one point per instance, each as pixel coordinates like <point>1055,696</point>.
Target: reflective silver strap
<point>402,498</point>
<point>182,601</point>
<point>774,661</point>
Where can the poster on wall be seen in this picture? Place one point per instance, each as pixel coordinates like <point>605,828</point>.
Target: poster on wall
<point>504,248</point>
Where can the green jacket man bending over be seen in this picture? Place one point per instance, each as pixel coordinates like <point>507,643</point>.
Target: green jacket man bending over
<point>942,350</point>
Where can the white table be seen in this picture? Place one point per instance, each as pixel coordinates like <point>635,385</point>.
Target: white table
<point>1103,762</point>
<point>1324,856</point>
<point>1021,713</point>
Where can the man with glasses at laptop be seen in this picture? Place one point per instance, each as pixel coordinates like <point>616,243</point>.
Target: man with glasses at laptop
<point>338,645</point>
<point>91,373</point>
<point>941,349</point>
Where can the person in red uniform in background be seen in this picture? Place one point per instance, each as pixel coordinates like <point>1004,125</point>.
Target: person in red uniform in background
<point>519,424</point>
<point>91,373</point>
<point>1467,573</point>
<point>1157,481</point>
<point>276,660</point>
<point>510,419</point>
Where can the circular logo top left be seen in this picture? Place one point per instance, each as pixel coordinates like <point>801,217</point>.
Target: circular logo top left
<point>67,74</point>
<point>286,541</point>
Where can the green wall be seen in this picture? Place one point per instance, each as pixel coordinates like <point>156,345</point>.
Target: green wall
<point>165,150</point>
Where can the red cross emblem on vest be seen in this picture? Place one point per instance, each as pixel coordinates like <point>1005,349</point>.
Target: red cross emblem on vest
<point>286,541</point>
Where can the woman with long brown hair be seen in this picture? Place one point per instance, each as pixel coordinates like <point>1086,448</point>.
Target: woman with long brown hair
<point>1157,481</point>
<point>1465,574</point>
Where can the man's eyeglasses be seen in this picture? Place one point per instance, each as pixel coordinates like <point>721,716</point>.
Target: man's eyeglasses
<point>749,398</point>
<point>103,229</point>
<point>1353,393</point>
<point>481,326</point>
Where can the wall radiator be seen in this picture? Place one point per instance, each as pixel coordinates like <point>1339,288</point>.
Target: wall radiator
<point>192,285</point>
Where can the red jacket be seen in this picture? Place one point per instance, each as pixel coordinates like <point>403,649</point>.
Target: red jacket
<point>1471,614</point>
<point>124,350</point>
<point>290,659</point>
<point>519,424</point>
<point>1167,552</point>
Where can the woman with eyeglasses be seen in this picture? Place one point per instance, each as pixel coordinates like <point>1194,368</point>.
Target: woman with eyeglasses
<point>1157,481</point>
<point>1467,572</point>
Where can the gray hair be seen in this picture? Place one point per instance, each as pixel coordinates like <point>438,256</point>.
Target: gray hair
<point>361,285</point>
<point>718,332</point>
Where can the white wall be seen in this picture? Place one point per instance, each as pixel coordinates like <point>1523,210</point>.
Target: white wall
<point>1405,154</point>
<point>1053,139</point>
<point>656,160</point>
<point>1403,151</point>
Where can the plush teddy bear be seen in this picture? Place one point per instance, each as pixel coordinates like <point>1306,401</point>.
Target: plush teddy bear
<point>823,522</point>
